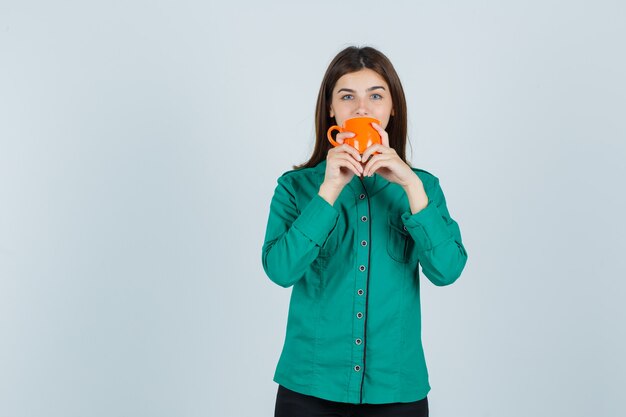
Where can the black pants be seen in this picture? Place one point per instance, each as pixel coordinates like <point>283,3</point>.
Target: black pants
<point>293,404</point>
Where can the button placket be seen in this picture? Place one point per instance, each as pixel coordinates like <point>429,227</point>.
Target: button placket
<point>361,276</point>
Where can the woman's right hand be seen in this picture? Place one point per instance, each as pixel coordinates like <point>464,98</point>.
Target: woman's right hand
<point>342,163</point>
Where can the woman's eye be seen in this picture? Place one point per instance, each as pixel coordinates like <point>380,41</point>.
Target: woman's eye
<point>346,97</point>
<point>377,96</point>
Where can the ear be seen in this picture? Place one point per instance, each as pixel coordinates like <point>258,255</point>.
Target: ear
<point>393,113</point>
<point>332,113</point>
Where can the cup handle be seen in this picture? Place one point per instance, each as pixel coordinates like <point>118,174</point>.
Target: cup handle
<point>330,136</point>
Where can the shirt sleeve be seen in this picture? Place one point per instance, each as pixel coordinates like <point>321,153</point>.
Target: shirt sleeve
<point>293,238</point>
<point>438,238</point>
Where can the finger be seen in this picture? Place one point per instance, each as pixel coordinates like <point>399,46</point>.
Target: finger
<point>341,137</point>
<point>344,158</point>
<point>345,148</point>
<point>349,163</point>
<point>377,162</point>
<point>368,165</point>
<point>340,156</point>
<point>375,148</point>
<point>383,134</point>
<point>372,169</point>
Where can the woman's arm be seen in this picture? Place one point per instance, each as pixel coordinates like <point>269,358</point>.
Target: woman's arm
<point>438,239</point>
<point>293,239</point>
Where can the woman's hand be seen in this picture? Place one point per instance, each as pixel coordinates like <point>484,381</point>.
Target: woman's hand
<point>342,163</point>
<point>388,164</point>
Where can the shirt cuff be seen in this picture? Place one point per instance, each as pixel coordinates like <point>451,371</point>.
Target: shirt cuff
<point>427,228</point>
<point>317,220</point>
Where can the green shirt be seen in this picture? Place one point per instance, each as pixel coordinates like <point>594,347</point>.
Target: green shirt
<point>354,326</point>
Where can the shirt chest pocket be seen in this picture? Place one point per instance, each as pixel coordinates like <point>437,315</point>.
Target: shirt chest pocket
<point>400,244</point>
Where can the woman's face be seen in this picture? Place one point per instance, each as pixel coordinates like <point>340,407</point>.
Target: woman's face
<point>361,93</point>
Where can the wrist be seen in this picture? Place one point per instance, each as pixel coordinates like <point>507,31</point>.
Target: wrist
<point>413,184</point>
<point>329,192</point>
<point>418,200</point>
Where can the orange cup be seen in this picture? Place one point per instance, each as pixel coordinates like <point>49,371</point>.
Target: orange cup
<point>364,133</point>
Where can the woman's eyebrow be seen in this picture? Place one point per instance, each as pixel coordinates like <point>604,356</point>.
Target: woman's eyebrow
<point>376,87</point>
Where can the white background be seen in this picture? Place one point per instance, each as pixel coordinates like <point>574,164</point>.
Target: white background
<point>140,142</point>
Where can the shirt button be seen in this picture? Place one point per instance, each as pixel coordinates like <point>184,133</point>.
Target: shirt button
<point>359,315</point>
<point>362,268</point>
<point>358,341</point>
<point>364,243</point>
<point>360,292</point>
<point>362,196</point>
<point>404,227</point>
<point>364,218</point>
<point>357,368</point>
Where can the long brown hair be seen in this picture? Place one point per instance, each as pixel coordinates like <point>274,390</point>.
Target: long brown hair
<point>349,60</point>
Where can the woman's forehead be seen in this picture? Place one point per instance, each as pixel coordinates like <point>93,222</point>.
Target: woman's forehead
<point>363,79</point>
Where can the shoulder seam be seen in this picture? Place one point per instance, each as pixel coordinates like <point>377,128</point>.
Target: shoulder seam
<point>423,170</point>
<point>303,171</point>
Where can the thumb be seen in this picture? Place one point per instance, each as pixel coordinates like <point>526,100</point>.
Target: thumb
<point>383,134</point>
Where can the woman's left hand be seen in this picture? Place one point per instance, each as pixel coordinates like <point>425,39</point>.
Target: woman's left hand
<point>387,163</point>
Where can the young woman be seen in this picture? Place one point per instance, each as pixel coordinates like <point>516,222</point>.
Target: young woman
<point>348,232</point>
